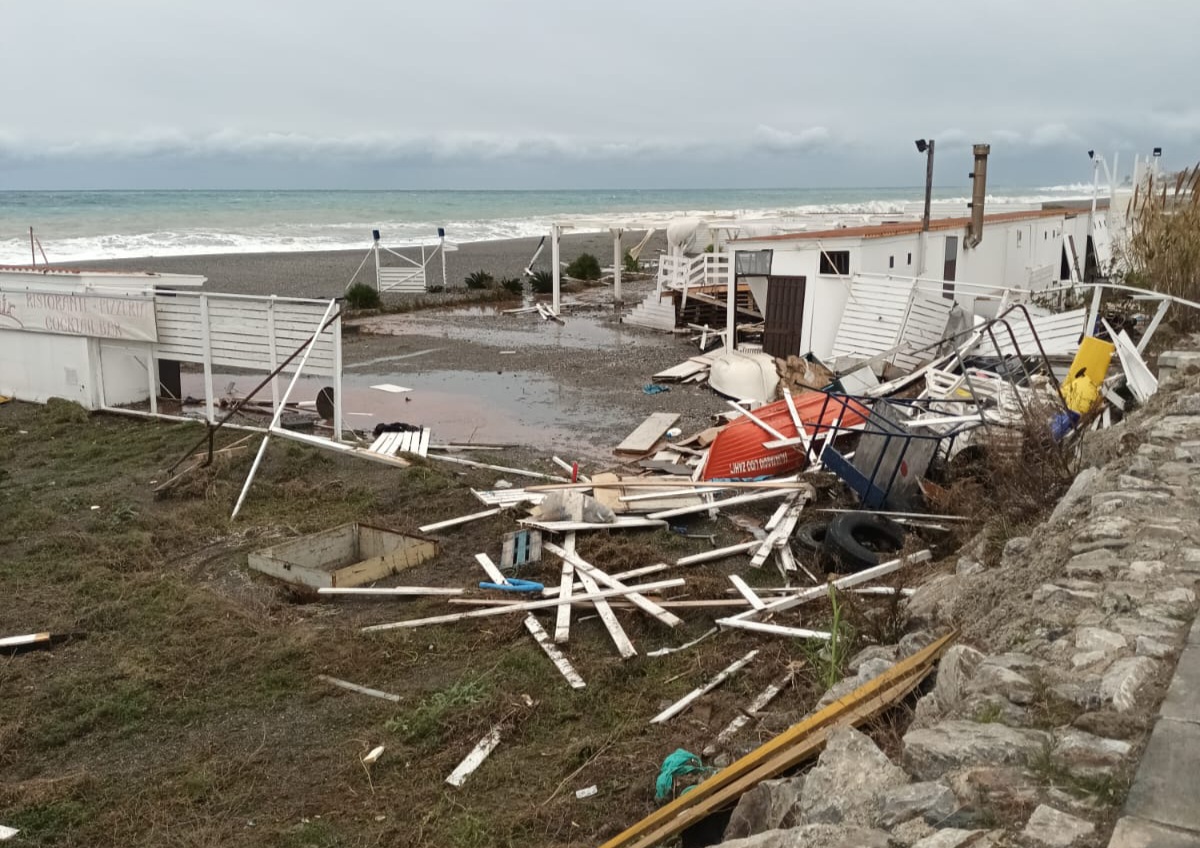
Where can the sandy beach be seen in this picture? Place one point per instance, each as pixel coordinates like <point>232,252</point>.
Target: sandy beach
<point>327,273</point>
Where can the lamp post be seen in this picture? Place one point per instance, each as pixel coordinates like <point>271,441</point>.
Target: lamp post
<point>925,146</point>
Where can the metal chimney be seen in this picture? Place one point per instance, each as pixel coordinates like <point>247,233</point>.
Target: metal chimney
<point>978,195</point>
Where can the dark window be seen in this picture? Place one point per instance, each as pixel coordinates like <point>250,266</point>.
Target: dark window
<point>891,261</point>
<point>910,259</point>
<point>752,263</point>
<point>835,262</point>
<point>951,266</point>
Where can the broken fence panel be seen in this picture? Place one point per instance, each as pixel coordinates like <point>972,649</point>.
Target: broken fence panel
<point>599,576</point>
<point>691,697</point>
<point>556,656</point>
<point>475,759</point>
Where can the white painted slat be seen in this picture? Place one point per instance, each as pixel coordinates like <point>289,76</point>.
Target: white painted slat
<point>475,759</point>
<point>423,447</point>
<point>566,590</point>
<point>743,717</point>
<point>608,617</point>
<point>556,656</point>
<point>693,696</point>
<point>599,576</point>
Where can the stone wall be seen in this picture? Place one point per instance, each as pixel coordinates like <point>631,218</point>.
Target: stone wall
<point>1033,727</point>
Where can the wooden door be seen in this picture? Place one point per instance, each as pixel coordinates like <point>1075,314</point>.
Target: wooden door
<point>785,316</point>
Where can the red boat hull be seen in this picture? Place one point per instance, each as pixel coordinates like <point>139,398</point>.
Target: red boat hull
<point>738,453</point>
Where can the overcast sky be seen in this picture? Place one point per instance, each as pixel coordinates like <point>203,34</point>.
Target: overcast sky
<point>570,94</point>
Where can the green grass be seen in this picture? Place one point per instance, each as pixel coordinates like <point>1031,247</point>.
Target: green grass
<point>427,722</point>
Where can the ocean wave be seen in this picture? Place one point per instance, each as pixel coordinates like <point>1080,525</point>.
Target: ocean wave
<point>211,237</point>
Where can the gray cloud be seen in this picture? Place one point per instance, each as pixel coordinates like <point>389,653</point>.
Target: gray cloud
<point>203,92</point>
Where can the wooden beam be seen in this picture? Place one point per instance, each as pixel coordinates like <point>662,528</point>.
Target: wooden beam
<point>718,553</point>
<point>785,751</point>
<point>743,717</point>
<point>399,591</point>
<point>462,519</point>
<point>354,687</point>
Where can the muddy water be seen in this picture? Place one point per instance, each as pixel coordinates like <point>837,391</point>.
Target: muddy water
<point>460,406</point>
<point>512,332</point>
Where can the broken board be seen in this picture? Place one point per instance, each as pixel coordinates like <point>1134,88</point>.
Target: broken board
<point>648,433</point>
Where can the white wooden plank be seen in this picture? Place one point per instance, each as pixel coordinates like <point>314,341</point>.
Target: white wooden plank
<point>454,522</point>
<point>608,617</point>
<point>690,698</point>
<point>760,703</point>
<point>721,504</point>
<point>354,687</point>
<point>423,446</point>
<point>600,577</point>
<point>719,553</point>
<point>1138,377</point>
<point>648,433</point>
<point>400,591</point>
<point>494,574</point>
<point>746,592</point>
<point>507,497</point>
<point>656,568</point>
<point>773,629</point>
<point>522,606</point>
<point>556,656</point>
<point>475,759</point>
<point>566,588</point>
<point>622,523</point>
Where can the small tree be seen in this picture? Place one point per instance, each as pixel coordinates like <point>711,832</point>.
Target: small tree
<point>585,267</point>
<point>362,296</point>
<point>542,282</point>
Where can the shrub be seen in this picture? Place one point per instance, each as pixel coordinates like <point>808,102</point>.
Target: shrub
<point>512,285</point>
<point>1163,250</point>
<point>629,264</point>
<point>542,282</point>
<point>362,296</point>
<point>585,267</point>
<point>479,280</point>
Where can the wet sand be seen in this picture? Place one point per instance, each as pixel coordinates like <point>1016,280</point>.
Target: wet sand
<point>327,273</point>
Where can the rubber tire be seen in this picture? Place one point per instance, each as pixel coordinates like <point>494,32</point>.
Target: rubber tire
<point>859,540</point>
<point>811,536</point>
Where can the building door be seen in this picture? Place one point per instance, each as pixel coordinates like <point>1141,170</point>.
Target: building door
<point>951,266</point>
<point>785,316</point>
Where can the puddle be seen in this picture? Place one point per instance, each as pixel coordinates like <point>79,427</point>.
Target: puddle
<point>515,331</point>
<point>460,406</point>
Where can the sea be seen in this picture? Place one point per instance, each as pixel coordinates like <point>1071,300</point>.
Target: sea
<point>74,226</point>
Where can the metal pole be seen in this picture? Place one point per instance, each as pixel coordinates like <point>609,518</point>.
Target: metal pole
<point>32,252</point>
<point>555,267</point>
<point>616,234</point>
<point>445,279</point>
<point>928,203</point>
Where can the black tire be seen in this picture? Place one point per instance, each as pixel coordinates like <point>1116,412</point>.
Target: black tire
<point>811,536</point>
<point>860,540</point>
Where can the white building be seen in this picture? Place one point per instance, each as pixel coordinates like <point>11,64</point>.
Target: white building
<point>76,334</point>
<point>801,281</point>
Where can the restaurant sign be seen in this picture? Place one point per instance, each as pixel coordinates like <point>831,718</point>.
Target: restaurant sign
<point>93,315</point>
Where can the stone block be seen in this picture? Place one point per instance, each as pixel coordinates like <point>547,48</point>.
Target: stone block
<point>949,746</point>
<point>1183,695</point>
<point>1056,829</point>
<point>1133,832</point>
<point>849,773</point>
<point>1164,790</point>
<point>1124,680</point>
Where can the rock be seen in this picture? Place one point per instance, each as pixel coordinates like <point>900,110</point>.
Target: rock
<point>873,652</point>
<point>950,837</point>
<point>1141,466</point>
<point>814,836</point>
<point>932,801</point>
<point>840,787</point>
<point>992,679</point>
<point>1079,487</point>
<point>1085,755</point>
<point>918,640</point>
<point>1124,679</point>
<point>967,566</point>
<point>1014,551</point>
<point>1107,527</point>
<point>1142,568</point>
<point>1098,639</point>
<point>955,670</point>
<point>1128,482</point>
<point>995,787</point>
<point>771,805</point>
<point>1147,647</point>
<point>932,752</point>
<point>1096,563</point>
<point>934,599</point>
<point>1086,659</point>
<point>1047,826</point>
<point>911,831</point>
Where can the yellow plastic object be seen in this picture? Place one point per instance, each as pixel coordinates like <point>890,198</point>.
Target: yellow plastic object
<point>1094,357</point>
<point>1080,394</point>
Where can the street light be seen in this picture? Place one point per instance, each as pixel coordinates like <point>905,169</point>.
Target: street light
<point>925,146</point>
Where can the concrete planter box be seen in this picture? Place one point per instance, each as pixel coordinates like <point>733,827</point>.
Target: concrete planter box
<point>349,555</point>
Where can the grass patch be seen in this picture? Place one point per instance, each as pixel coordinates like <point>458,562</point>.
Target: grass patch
<point>427,722</point>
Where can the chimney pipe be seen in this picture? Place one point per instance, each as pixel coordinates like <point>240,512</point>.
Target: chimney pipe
<point>978,195</point>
